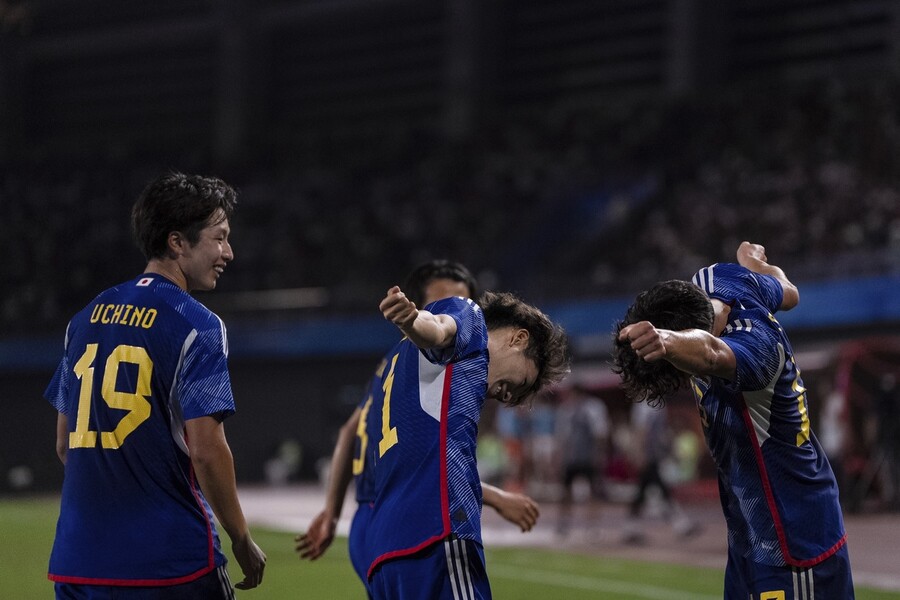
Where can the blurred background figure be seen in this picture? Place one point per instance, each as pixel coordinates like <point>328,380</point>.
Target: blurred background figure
<point>540,444</point>
<point>582,437</point>
<point>653,445</point>
<point>833,435</point>
<point>888,411</point>
<point>510,426</point>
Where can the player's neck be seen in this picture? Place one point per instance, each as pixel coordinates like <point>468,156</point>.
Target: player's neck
<point>168,269</point>
<point>721,311</point>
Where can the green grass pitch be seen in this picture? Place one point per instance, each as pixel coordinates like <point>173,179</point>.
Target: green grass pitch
<point>26,531</point>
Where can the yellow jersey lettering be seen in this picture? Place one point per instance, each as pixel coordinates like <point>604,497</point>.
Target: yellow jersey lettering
<point>136,403</point>
<point>137,315</point>
<point>104,318</point>
<point>803,434</point>
<point>147,322</point>
<point>125,313</point>
<point>95,314</point>
<point>698,396</point>
<point>360,463</point>
<point>82,436</point>
<point>388,433</point>
<point>117,313</point>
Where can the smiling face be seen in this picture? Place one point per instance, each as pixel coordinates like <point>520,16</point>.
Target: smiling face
<point>203,263</point>
<point>511,374</point>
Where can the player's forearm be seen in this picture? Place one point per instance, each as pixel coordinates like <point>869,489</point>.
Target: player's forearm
<point>341,471</point>
<point>490,495</point>
<point>698,353</point>
<point>214,469</point>
<point>753,257</point>
<point>431,331</point>
<point>791,293</point>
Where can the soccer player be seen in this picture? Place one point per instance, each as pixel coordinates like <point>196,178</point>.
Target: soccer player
<point>719,335</point>
<point>142,390</point>
<point>424,533</point>
<point>429,282</point>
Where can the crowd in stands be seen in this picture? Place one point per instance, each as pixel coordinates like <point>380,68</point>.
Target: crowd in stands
<point>567,204</point>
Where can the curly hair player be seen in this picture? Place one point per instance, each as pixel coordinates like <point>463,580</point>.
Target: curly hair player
<point>718,334</point>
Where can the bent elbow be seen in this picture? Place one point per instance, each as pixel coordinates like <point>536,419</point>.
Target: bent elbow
<point>61,452</point>
<point>723,365</point>
<point>791,296</point>
<point>718,360</point>
<point>207,457</point>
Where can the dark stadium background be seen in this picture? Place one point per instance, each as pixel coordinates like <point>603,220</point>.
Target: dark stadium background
<point>573,151</point>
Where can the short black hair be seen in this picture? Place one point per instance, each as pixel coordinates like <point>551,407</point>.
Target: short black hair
<point>421,276</point>
<point>178,202</point>
<point>676,305</point>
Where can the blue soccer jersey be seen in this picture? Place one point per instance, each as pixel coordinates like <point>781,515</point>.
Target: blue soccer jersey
<point>777,489</point>
<point>364,483</point>
<point>423,426</point>
<point>363,472</point>
<point>140,359</point>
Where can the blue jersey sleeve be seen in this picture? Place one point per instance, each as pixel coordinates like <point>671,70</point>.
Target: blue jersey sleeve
<point>752,333</point>
<point>755,341</point>
<point>57,390</point>
<point>733,284</point>
<point>470,329</point>
<point>204,386</point>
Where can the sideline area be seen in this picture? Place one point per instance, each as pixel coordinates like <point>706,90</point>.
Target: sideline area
<point>599,528</point>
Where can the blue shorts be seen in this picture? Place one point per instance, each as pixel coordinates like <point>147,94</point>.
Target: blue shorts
<point>215,585</point>
<point>356,541</point>
<point>452,569</point>
<point>829,579</point>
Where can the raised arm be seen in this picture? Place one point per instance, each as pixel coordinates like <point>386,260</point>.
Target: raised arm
<point>692,351</point>
<point>753,257</point>
<point>321,530</point>
<point>424,329</point>
<point>214,466</point>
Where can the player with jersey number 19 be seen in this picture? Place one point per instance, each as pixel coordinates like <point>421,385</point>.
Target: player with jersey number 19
<point>718,334</point>
<point>424,532</point>
<point>142,390</point>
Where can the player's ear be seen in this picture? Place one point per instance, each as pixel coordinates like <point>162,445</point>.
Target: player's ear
<point>520,338</point>
<point>176,243</point>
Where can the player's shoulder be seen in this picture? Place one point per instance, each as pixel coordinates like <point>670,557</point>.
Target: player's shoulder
<point>733,283</point>
<point>718,276</point>
<point>183,304</point>
<point>453,304</point>
<point>104,302</point>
